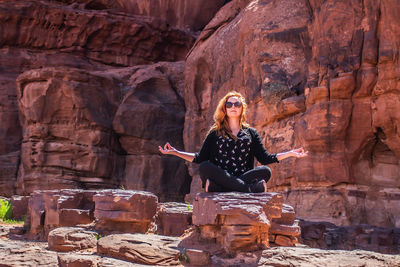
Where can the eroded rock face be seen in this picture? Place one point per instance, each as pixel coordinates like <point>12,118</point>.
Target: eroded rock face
<point>110,38</point>
<point>311,84</point>
<point>152,113</point>
<point>68,140</point>
<point>186,15</point>
<point>41,34</point>
<point>326,235</point>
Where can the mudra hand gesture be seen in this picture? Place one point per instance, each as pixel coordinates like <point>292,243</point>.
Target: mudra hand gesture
<point>299,152</point>
<point>168,149</point>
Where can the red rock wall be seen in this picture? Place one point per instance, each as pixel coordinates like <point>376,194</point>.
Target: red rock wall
<point>186,15</point>
<point>75,59</point>
<point>319,74</point>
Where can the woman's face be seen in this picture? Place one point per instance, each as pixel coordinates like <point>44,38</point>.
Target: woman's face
<point>233,107</point>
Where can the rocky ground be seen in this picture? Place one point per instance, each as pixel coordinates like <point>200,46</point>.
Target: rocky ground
<point>79,228</point>
<point>15,251</point>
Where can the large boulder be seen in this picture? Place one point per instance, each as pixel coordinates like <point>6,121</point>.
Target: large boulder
<point>336,97</point>
<point>236,221</point>
<point>65,239</point>
<point>124,211</point>
<point>68,140</point>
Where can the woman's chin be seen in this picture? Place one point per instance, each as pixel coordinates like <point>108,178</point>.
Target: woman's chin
<point>234,115</point>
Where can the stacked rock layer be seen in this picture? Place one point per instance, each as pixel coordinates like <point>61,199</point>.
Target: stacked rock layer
<point>244,222</point>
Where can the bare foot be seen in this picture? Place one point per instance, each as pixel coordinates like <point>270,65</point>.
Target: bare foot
<point>207,185</point>
<point>265,186</point>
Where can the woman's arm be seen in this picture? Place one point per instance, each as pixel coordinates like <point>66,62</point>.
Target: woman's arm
<point>298,153</point>
<point>169,150</point>
<point>197,157</point>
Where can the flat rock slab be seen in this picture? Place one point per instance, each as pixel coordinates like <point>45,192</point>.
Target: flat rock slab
<point>140,248</point>
<point>21,253</point>
<point>260,207</point>
<point>85,260</point>
<point>65,239</point>
<point>285,257</point>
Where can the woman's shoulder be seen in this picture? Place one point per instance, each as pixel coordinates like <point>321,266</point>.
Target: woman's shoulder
<point>212,133</point>
<point>250,130</point>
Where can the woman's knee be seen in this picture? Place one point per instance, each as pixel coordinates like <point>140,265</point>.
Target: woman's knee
<point>204,168</point>
<point>266,172</point>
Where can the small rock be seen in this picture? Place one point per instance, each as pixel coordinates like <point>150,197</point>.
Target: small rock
<point>198,257</point>
<point>78,260</point>
<point>173,218</point>
<point>65,239</point>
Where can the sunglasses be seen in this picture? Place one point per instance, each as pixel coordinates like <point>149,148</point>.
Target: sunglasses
<point>237,104</point>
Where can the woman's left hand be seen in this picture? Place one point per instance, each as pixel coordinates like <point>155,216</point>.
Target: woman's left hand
<point>299,152</point>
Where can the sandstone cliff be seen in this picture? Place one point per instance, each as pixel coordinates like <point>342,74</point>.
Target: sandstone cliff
<point>89,88</point>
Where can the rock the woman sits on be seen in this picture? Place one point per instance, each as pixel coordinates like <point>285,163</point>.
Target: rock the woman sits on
<point>227,154</point>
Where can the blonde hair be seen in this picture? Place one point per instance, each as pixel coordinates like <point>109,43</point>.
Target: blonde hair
<point>221,124</point>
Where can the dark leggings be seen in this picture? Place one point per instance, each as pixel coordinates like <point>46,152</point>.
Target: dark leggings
<point>223,181</point>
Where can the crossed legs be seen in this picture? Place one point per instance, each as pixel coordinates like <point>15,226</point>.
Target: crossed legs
<point>220,180</point>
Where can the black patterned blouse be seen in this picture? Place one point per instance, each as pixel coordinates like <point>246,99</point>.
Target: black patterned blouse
<point>237,157</point>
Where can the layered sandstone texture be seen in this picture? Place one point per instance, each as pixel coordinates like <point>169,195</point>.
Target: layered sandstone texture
<point>124,211</point>
<point>89,89</point>
<point>186,15</point>
<point>326,235</point>
<point>235,222</point>
<point>107,211</point>
<point>323,75</point>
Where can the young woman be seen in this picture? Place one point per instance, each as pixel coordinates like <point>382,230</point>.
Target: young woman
<point>227,155</point>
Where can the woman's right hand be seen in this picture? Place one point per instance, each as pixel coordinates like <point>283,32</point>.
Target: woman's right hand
<point>167,150</point>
